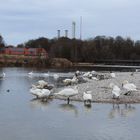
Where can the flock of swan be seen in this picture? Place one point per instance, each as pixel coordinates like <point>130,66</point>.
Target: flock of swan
<point>42,90</point>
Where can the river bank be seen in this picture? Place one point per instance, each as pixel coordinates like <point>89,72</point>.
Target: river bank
<point>102,93</point>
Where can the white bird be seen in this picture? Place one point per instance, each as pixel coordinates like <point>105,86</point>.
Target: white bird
<point>112,74</point>
<point>68,92</point>
<point>30,73</point>
<point>86,74</point>
<point>116,91</point>
<point>93,72</point>
<point>129,87</point>
<point>42,83</point>
<point>56,76</point>
<point>2,75</point>
<point>94,78</point>
<point>77,73</point>
<point>68,81</point>
<point>40,93</point>
<point>87,97</point>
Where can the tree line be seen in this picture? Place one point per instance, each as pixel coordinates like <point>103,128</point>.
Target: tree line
<point>90,50</point>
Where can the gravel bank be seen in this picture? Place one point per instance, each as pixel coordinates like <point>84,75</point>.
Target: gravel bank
<point>102,93</point>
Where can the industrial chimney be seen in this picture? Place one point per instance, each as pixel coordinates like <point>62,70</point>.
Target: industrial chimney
<point>58,34</point>
<point>73,29</point>
<point>66,33</point>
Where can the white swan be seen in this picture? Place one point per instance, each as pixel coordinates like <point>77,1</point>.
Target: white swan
<point>68,92</point>
<point>42,83</point>
<point>40,93</point>
<point>129,87</point>
<point>112,74</point>
<point>56,76</point>
<point>2,75</point>
<point>116,91</point>
<point>30,73</point>
<point>68,81</point>
<point>87,97</point>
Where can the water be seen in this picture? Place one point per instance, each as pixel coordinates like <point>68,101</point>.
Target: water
<point>23,118</point>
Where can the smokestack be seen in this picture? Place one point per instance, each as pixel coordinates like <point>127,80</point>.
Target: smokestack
<point>58,34</point>
<point>66,33</point>
<point>81,28</point>
<point>73,29</point>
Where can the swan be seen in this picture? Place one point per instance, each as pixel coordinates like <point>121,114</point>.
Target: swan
<point>77,73</point>
<point>68,92</point>
<point>30,73</point>
<point>86,74</point>
<point>129,87</point>
<point>2,75</point>
<point>68,81</point>
<point>94,78</point>
<point>56,76</point>
<point>87,97</point>
<point>40,93</point>
<point>112,74</point>
<point>116,91</point>
<point>42,83</point>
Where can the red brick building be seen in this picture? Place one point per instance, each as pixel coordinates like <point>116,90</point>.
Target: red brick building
<point>25,51</point>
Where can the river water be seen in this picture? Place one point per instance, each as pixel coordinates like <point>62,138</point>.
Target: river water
<point>22,118</point>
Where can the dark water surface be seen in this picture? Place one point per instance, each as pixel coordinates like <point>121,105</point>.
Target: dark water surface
<point>22,118</point>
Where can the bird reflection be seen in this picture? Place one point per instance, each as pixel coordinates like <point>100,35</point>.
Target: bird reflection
<point>127,110</point>
<point>121,110</point>
<point>70,108</point>
<point>39,104</point>
<point>115,111</point>
<point>87,107</point>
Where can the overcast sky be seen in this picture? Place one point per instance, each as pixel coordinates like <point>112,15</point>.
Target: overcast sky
<point>21,20</point>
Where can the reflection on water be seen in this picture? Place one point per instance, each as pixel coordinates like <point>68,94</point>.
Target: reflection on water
<point>39,104</point>
<point>125,110</point>
<point>23,118</point>
<point>70,108</point>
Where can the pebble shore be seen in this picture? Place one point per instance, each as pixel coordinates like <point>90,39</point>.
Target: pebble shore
<point>102,93</point>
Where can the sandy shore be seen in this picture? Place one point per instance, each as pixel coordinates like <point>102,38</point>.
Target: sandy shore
<point>102,93</point>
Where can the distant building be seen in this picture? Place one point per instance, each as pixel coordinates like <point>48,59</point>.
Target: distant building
<point>36,52</point>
